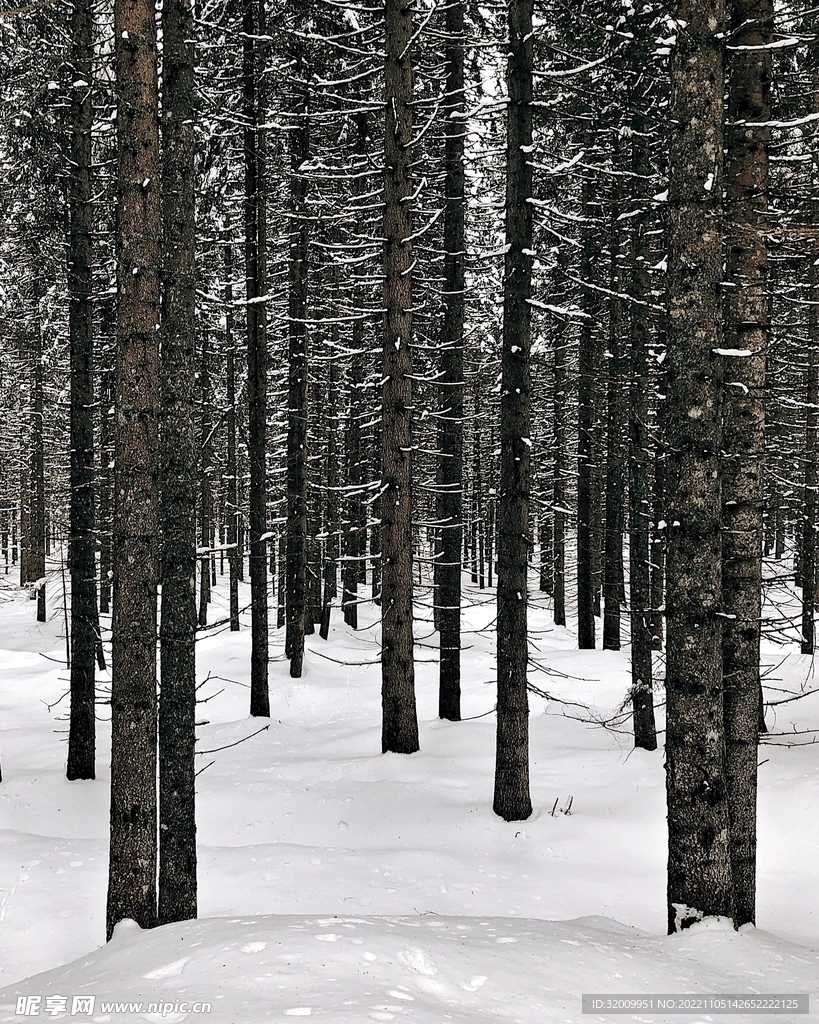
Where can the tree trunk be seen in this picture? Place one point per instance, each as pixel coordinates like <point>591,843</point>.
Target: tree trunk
<point>330,581</point>
<point>743,429</point>
<point>255,290</point>
<point>37,518</point>
<point>588,477</point>
<point>14,536</point>
<point>233,510</point>
<point>282,583</point>
<point>450,502</point>
<point>354,534</point>
<point>642,698</point>
<point>132,865</point>
<point>296,601</point>
<point>399,723</point>
<point>105,489</point>
<point>559,482</point>
<point>699,863</point>
<point>375,534</point>
<point>177,832</point>
<point>659,534</point>
<point>477,500</point>
<point>615,468</point>
<point>806,552</point>
<point>205,490</point>
<point>512,801</point>
<point>82,541</point>
<point>546,538</point>
<point>25,510</point>
<point>241,532</point>
<point>490,513</point>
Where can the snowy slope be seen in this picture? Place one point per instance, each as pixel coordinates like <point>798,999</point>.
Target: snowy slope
<point>306,830</point>
<point>420,970</point>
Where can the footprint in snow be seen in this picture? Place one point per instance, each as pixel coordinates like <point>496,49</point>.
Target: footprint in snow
<point>474,983</point>
<point>417,960</point>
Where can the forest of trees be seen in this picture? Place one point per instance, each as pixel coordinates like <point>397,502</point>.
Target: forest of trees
<point>386,304</point>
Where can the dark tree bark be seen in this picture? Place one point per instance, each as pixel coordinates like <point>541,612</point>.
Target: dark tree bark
<point>261,236</point>
<point>255,289</point>
<point>105,488</point>
<point>806,537</point>
<point>512,801</point>
<point>282,582</point>
<point>560,467</point>
<point>205,490</point>
<point>24,517</point>
<point>296,601</point>
<point>233,511</point>
<point>545,527</point>
<point>177,832</point>
<point>659,533</point>
<point>491,511</point>
<point>25,509</point>
<point>331,552</point>
<point>547,558</point>
<point>354,534</point>
<point>699,863</point>
<point>452,368</point>
<point>82,541</point>
<point>615,464</point>
<point>399,724</point>
<point>642,697</point>
<point>743,427</point>
<point>36,561</point>
<point>477,502</point>
<point>375,531</point>
<point>807,552</point>
<point>241,532</point>
<point>132,865</point>
<point>588,476</point>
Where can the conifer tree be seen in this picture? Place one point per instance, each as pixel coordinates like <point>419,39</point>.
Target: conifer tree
<point>512,800</point>
<point>132,865</point>
<point>699,863</point>
<point>452,368</point>
<point>82,562</point>
<point>399,731</point>
<point>178,477</point>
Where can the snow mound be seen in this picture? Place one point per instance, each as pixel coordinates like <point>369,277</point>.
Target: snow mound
<point>418,970</point>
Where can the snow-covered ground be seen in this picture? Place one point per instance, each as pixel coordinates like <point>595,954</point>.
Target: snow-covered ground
<point>342,884</point>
